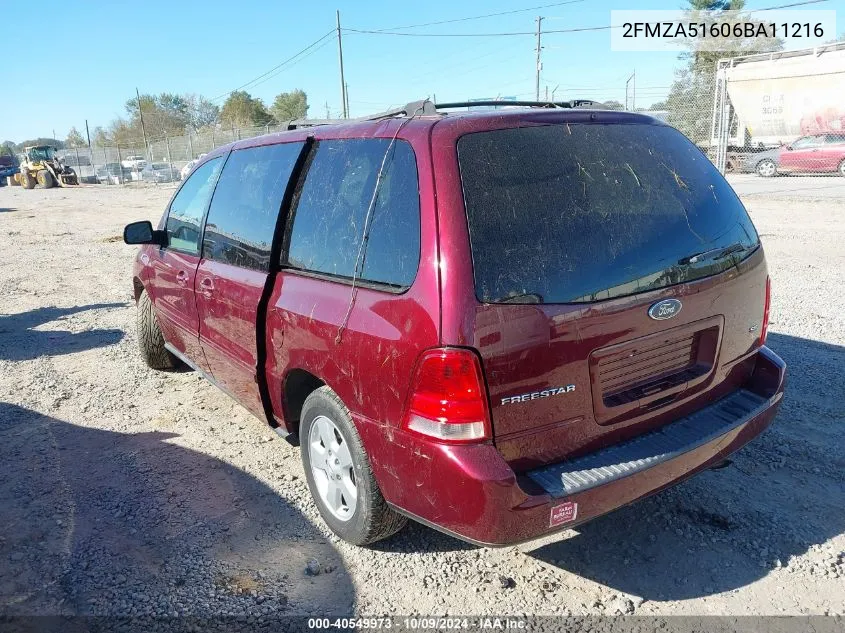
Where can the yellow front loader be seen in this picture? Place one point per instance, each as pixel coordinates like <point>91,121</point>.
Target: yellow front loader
<point>41,166</point>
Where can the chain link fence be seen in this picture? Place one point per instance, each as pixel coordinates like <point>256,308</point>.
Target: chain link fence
<point>780,113</point>
<point>160,160</point>
<point>769,114</point>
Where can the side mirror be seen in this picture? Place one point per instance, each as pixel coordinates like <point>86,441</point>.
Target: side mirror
<point>143,233</point>
<point>788,147</point>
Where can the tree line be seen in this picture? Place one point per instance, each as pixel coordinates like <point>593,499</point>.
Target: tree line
<point>170,114</point>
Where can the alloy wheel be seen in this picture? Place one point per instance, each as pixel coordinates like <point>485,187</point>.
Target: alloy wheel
<point>332,468</point>
<point>766,168</point>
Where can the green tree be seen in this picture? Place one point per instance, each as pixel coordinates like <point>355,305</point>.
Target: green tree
<point>41,140</point>
<point>74,139</point>
<point>164,114</point>
<point>8,147</point>
<point>612,105</point>
<point>100,138</point>
<point>690,98</point>
<point>201,112</point>
<point>290,105</point>
<point>243,110</point>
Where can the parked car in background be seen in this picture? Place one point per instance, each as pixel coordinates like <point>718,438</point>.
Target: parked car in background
<point>113,174</point>
<point>187,168</point>
<point>818,153</point>
<point>134,162</point>
<point>499,324</point>
<point>160,172</point>
<point>815,153</point>
<point>764,163</point>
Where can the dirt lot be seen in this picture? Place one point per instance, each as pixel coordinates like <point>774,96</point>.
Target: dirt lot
<point>127,491</point>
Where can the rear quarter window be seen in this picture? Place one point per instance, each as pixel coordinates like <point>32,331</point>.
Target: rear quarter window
<point>327,234</point>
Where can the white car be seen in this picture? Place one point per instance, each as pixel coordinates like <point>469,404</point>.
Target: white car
<point>187,168</point>
<point>134,162</point>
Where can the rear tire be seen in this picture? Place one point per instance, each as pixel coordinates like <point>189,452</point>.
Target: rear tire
<point>767,168</point>
<point>841,169</point>
<point>27,181</point>
<point>150,338</point>
<point>13,182</point>
<point>367,518</point>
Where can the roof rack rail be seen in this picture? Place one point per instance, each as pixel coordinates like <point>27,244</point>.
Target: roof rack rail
<point>426,107</point>
<point>414,108</point>
<point>574,103</point>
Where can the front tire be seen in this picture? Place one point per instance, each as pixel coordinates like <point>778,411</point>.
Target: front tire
<point>841,169</point>
<point>150,338</point>
<point>767,168</point>
<point>45,179</point>
<point>339,475</point>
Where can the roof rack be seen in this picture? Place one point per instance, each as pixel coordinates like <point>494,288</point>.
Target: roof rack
<point>412,108</point>
<point>574,103</point>
<point>425,107</point>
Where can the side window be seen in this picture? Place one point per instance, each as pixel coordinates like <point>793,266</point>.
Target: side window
<point>804,142</point>
<point>835,139</point>
<point>243,212</point>
<point>327,233</point>
<point>188,207</point>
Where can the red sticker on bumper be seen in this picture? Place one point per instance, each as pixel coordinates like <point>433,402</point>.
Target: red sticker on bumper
<point>563,513</point>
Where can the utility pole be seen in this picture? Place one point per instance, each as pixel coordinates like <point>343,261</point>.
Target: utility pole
<point>342,80</point>
<point>539,64</point>
<point>328,114</point>
<point>141,115</point>
<point>633,81</point>
<point>90,151</point>
<point>346,91</point>
<point>554,90</point>
<point>547,92</point>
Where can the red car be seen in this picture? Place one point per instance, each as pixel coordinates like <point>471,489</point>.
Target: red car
<point>497,323</point>
<point>815,153</point>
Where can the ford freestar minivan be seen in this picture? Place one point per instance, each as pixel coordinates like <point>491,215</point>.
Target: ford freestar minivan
<point>498,323</point>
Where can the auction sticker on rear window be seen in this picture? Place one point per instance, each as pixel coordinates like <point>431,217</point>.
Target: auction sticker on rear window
<point>563,513</point>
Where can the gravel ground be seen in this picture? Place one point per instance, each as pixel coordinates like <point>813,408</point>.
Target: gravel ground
<point>128,491</point>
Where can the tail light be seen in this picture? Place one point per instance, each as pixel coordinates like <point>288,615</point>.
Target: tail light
<point>764,330</point>
<point>448,399</point>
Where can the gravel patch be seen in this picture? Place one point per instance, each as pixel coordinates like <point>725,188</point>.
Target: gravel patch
<point>125,491</point>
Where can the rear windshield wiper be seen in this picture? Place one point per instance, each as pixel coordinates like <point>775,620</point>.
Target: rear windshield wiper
<point>528,297</point>
<point>713,253</point>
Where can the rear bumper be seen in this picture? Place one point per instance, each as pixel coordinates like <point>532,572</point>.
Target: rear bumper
<point>472,493</point>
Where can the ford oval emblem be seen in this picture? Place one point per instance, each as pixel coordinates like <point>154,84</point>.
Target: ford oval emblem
<point>665,309</point>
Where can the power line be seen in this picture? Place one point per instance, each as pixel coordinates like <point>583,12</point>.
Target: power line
<point>479,17</point>
<point>305,56</point>
<point>545,32</point>
<point>275,68</point>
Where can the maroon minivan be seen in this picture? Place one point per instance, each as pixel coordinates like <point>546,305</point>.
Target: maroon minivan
<point>498,323</point>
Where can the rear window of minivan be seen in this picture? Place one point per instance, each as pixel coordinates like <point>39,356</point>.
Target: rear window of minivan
<point>576,213</point>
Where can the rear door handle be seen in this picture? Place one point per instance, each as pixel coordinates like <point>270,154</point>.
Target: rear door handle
<point>207,286</point>
<point>182,277</point>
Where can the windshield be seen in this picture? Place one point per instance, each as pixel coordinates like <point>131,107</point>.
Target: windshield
<point>576,213</point>
<point>42,153</point>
